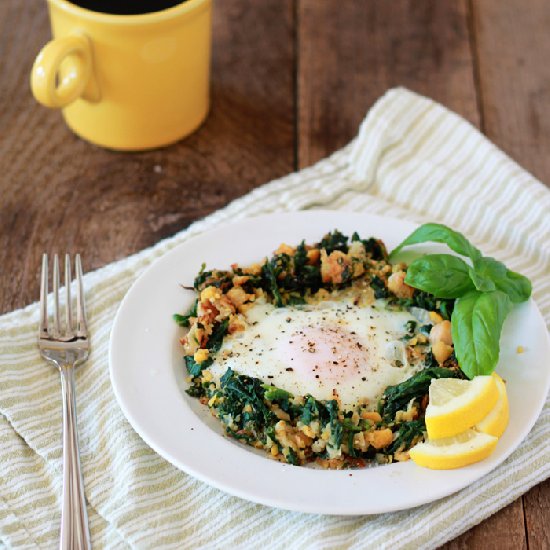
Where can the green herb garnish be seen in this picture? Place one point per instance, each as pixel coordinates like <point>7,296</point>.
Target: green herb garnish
<point>484,292</point>
<point>476,326</point>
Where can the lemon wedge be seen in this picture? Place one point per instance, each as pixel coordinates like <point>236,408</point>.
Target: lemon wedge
<point>457,405</point>
<point>496,421</point>
<point>454,452</point>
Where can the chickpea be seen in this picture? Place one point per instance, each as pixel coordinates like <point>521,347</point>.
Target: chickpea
<point>381,438</point>
<point>397,285</point>
<point>441,351</point>
<point>441,333</point>
<point>435,318</point>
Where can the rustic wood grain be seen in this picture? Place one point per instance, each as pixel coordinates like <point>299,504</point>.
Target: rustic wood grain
<point>513,49</point>
<point>503,531</point>
<point>351,52</point>
<point>292,79</point>
<point>537,515</point>
<point>60,193</point>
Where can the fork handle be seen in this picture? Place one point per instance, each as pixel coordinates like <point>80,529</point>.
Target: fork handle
<point>75,534</point>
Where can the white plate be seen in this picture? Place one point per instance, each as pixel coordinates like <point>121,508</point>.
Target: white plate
<point>147,373</point>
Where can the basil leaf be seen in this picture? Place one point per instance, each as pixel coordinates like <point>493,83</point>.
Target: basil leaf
<point>439,233</point>
<point>476,325</point>
<point>515,285</point>
<point>481,281</point>
<point>443,275</point>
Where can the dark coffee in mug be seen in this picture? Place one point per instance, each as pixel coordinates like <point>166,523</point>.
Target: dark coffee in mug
<point>126,7</point>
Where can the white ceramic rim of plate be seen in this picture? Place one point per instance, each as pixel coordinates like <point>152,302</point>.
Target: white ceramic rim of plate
<point>166,418</point>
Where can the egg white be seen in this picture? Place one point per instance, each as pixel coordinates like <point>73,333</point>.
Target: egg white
<point>332,349</point>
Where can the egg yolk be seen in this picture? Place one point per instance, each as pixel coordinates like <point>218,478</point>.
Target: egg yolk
<point>328,353</point>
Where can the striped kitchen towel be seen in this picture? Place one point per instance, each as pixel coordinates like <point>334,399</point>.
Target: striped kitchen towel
<point>412,159</point>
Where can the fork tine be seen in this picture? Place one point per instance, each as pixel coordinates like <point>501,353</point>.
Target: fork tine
<point>81,323</point>
<point>43,325</point>
<point>68,312</point>
<point>57,325</point>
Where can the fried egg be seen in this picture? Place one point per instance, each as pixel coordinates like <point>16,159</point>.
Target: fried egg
<point>330,350</point>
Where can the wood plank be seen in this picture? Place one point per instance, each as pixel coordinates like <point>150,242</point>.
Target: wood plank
<point>536,504</point>
<point>513,48</point>
<point>62,194</point>
<point>351,52</point>
<point>502,531</point>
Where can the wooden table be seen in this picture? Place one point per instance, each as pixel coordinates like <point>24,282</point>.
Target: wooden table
<point>291,82</point>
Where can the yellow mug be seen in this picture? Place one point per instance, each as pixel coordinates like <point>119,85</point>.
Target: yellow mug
<point>127,82</point>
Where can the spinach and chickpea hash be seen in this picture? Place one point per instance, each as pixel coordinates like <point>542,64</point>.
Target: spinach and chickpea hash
<point>302,429</point>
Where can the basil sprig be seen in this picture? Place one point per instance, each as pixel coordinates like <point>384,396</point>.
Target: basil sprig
<point>439,233</point>
<point>484,291</point>
<point>476,325</point>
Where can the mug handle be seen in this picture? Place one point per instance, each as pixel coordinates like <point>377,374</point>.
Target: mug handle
<point>62,72</point>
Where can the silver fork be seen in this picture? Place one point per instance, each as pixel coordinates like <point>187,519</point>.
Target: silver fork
<point>66,345</point>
